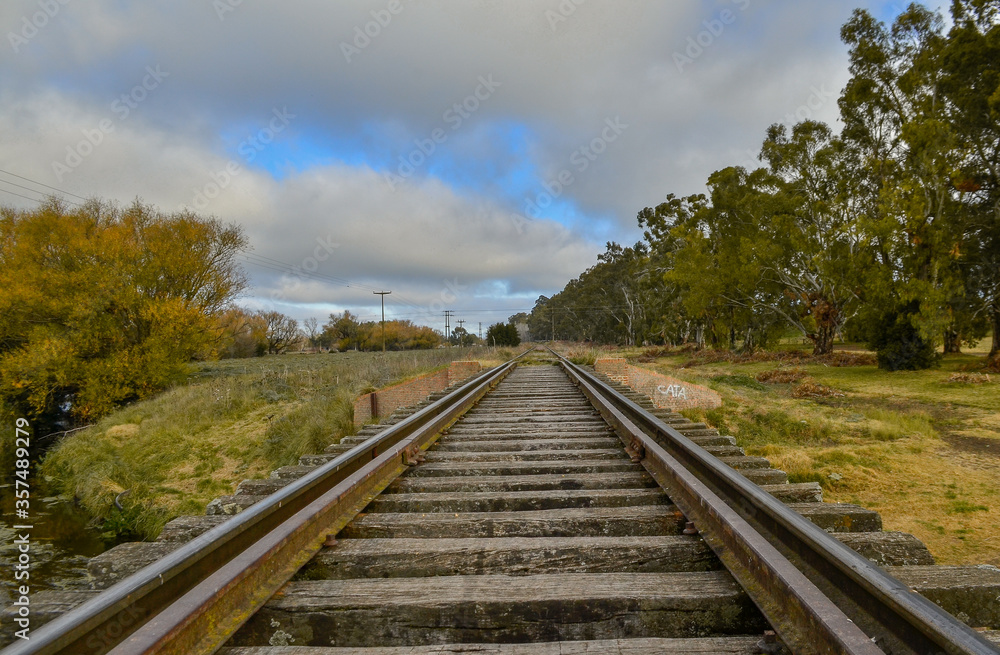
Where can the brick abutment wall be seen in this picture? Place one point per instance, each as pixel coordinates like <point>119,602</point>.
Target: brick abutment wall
<point>666,392</point>
<point>384,402</point>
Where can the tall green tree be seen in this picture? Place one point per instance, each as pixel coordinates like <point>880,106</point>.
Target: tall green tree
<point>813,219</point>
<point>719,262</point>
<point>670,317</point>
<point>902,149</point>
<point>970,85</point>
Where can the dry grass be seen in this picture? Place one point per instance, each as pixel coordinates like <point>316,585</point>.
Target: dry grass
<point>918,447</point>
<point>809,389</point>
<point>780,375</point>
<point>235,419</point>
<point>969,378</point>
<point>691,359</point>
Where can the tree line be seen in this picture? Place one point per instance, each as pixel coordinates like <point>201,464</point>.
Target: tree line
<point>886,233</point>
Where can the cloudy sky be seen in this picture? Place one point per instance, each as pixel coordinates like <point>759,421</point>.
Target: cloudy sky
<point>465,154</point>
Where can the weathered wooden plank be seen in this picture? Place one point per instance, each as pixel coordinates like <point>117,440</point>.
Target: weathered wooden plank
<point>528,455</point>
<point>743,645</point>
<point>594,521</point>
<point>746,462</point>
<point>799,492</point>
<point>186,528</point>
<point>231,505</point>
<point>518,434</point>
<point>888,548</point>
<point>264,487</point>
<point>560,443</point>
<point>840,517</point>
<point>123,560</point>
<point>391,558</point>
<point>627,480</point>
<point>45,606</point>
<point>501,608</point>
<point>764,476</point>
<point>969,593</point>
<point>451,469</point>
<point>515,501</point>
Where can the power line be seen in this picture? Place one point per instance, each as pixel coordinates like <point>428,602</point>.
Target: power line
<point>288,269</point>
<point>21,186</point>
<point>277,262</point>
<point>26,179</point>
<point>14,193</point>
<point>20,195</point>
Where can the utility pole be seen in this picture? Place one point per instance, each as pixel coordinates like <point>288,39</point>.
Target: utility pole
<point>383,294</point>
<point>480,331</point>
<point>552,313</point>
<point>461,337</point>
<point>447,325</point>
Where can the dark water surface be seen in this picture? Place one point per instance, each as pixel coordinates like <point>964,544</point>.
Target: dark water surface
<point>61,541</point>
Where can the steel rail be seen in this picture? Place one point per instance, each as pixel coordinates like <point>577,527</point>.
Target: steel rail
<point>892,616</point>
<point>257,550</point>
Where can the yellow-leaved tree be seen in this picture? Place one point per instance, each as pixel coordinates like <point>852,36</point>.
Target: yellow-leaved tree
<point>102,305</point>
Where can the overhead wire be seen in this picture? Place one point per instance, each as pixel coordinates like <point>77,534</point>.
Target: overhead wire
<point>47,186</point>
<point>284,267</point>
<point>19,195</point>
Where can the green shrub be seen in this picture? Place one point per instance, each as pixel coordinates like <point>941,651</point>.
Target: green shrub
<point>898,343</point>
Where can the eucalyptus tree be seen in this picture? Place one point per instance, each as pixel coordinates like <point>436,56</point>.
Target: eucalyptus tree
<point>814,219</point>
<point>717,248</point>
<point>901,152</point>
<point>970,63</point>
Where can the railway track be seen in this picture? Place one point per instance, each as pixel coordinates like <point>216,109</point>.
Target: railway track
<point>554,516</point>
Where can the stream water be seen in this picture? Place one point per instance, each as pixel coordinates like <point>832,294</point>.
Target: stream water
<point>61,541</point>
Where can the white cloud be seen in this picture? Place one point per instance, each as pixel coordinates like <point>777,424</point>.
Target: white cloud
<point>560,80</point>
<point>329,222</point>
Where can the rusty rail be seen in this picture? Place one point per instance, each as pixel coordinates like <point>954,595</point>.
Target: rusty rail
<point>193,599</point>
<point>820,596</point>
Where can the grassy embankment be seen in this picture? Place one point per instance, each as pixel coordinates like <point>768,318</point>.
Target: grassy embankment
<point>234,419</point>
<point>922,450</point>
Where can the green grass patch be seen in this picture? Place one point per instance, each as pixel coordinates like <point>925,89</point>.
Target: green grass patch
<point>965,507</point>
<point>740,380</point>
<point>795,478</point>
